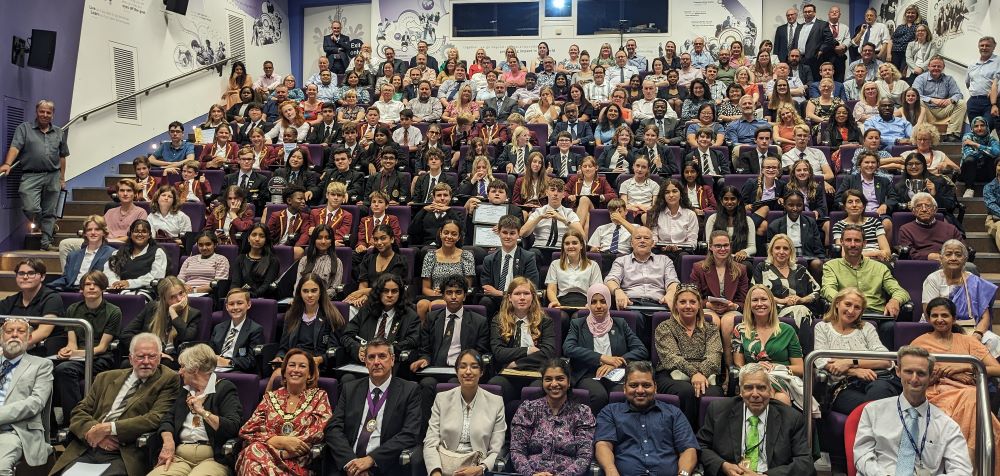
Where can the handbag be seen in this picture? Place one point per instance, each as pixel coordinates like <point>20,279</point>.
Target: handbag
<point>452,461</point>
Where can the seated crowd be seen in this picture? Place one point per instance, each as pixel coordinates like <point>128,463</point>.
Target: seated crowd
<point>444,268</point>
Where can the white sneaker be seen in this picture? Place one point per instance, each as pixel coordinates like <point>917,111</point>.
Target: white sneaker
<point>969,193</point>
<point>823,463</point>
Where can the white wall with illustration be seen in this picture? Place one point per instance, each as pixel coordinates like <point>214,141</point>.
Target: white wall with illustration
<point>355,19</point>
<point>127,45</point>
<point>956,24</point>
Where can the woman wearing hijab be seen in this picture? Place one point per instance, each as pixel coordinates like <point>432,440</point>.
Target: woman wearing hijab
<point>599,344</point>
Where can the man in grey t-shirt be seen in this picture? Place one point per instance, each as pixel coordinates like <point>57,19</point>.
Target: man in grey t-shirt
<point>40,147</point>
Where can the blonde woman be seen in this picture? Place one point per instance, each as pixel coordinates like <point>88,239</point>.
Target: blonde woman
<point>794,289</point>
<point>567,281</point>
<point>605,57</point>
<point>889,83</point>
<point>745,78</point>
<point>854,381</point>
<point>170,318</point>
<point>784,127</point>
<point>545,111</point>
<point>926,137</point>
<point>920,51</point>
<point>867,105</point>
<point>762,338</point>
<point>521,337</point>
<point>690,352</point>
<point>462,105</point>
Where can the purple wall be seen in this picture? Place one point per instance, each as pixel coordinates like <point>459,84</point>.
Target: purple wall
<point>31,85</point>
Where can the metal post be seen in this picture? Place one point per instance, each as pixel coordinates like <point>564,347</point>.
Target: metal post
<point>984,425</point>
<point>88,338</point>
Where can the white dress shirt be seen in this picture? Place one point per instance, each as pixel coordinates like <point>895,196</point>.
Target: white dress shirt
<point>526,340</point>
<point>601,238</point>
<point>376,438</point>
<point>456,334</point>
<point>189,432</point>
<point>88,257</point>
<point>880,431</point>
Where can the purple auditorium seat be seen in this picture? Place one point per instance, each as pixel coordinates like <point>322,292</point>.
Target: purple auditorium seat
<point>737,180</point>
<point>899,150</point>
<point>131,305</point>
<point>343,308</point>
<point>687,264</point>
<point>345,255</point>
<point>173,252</point>
<point>598,217</point>
<point>404,214</point>
<point>534,393</point>
<point>204,305</point>
<point>410,255</point>
<point>230,252</point>
<point>215,179</point>
<point>658,318</point>
<point>315,153</point>
<point>901,218</point>
<point>905,332</point>
<point>272,208</point>
<point>247,389</point>
<point>619,397</point>
<point>70,297</point>
<point>265,313</point>
<point>196,212</point>
<point>558,317</point>
<point>703,407</point>
<point>462,213</point>
<point>285,255</point>
<point>911,275</point>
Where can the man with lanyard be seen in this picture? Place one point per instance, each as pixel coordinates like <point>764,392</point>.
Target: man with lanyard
<point>893,432</point>
<point>23,398</point>
<point>980,79</point>
<point>40,147</point>
<point>375,418</point>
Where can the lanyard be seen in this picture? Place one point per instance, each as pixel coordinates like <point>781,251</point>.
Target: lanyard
<point>913,441</point>
<point>8,371</point>
<point>376,405</point>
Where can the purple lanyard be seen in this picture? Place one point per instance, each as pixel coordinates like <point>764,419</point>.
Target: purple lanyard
<point>375,406</point>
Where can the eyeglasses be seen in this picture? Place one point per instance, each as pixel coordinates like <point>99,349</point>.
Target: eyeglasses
<point>27,274</point>
<point>919,206</point>
<point>721,246</point>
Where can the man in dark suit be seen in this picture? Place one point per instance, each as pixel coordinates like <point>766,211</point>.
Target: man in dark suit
<point>121,406</point>
<point>501,103</point>
<point>748,162</point>
<point>327,131</point>
<point>508,261</point>
<point>814,39</point>
<point>337,48</point>
<point>380,402</point>
<point>423,188</point>
<point>562,162</point>
<point>234,339</point>
<point>426,223</point>
<point>253,183</point>
<point>784,35</point>
<point>730,438</point>
<point>667,127</point>
<point>580,132</point>
<point>797,68</point>
<point>448,332</point>
<point>255,119</point>
<point>703,154</point>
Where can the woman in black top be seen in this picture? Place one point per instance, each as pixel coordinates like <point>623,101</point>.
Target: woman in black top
<point>387,259</point>
<point>402,329</point>
<point>312,322</point>
<point>841,129</point>
<point>139,261</point>
<point>170,317</point>
<point>296,171</point>
<point>916,178</point>
<point>256,267</point>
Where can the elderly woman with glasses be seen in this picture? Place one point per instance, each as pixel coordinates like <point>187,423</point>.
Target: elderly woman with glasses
<point>204,416</point>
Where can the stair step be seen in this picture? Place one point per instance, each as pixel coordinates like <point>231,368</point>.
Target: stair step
<point>974,205</point>
<point>980,241</point>
<point>10,259</point>
<point>112,179</point>
<point>975,222</point>
<point>90,194</point>
<point>988,263</point>
<point>126,168</point>
<point>71,223</point>
<point>84,208</point>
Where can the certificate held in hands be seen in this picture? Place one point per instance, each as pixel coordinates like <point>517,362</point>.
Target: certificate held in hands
<point>488,214</point>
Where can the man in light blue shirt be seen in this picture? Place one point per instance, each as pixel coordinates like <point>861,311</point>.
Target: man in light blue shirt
<point>869,60</point>
<point>699,56</point>
<point>639,62</point>
<point>943,99</point>
<point>980,79</point>
<point>744,129</point>
<point>894,130</point>
<point>324,65</point>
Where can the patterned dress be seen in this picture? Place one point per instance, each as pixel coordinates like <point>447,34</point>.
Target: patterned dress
<point>307,423</point>
<point>560,444</point>
<point>780,348</point>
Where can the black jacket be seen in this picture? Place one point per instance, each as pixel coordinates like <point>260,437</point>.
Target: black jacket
<point>509,350</point>
<point>885,193</point>
<point>584,132</point>
<point>423,186</point>
<point>721,163</point>
<point>404,333</point>
<point>748,162</point>
<point>475,334</point>
<point>523,264</point>
<point>785,446</point>
<point>425,225</point>
<point>812,244</point>
<point>579,347</point>
<point>554,160</point>
<point>224,403</point>
<point>187,331</point>
<point>250,335</point>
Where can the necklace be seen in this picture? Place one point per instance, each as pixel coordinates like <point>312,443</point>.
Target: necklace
<point>287,427</point>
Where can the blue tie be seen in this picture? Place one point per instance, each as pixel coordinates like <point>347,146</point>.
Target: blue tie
<point>482,188</point>
<point>907,458</point>
<point>614,239</point>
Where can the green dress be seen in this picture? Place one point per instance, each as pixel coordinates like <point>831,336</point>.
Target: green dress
<point>780,348</point>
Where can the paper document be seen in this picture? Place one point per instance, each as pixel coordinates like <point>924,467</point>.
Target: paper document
<point>86,469</point>
<point>354,368</point>
<point>447,371</point>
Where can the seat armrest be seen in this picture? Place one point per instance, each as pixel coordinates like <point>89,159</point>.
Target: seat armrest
<point>405,456</point>
<point>229,447</point>
<point>143,440</point>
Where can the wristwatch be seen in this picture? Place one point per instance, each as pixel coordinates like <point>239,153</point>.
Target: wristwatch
<point>855,362</point>
<point>683,473</point>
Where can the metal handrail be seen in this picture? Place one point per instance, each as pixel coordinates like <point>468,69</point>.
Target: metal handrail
<point>165,83</point>
<point>88,338</point>
<point>984,427</point>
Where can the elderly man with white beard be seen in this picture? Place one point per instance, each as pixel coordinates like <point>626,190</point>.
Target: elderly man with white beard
<point>25,386</point>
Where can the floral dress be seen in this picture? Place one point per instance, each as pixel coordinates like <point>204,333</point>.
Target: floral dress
<point>561,444</point>
<point>306,422</point>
